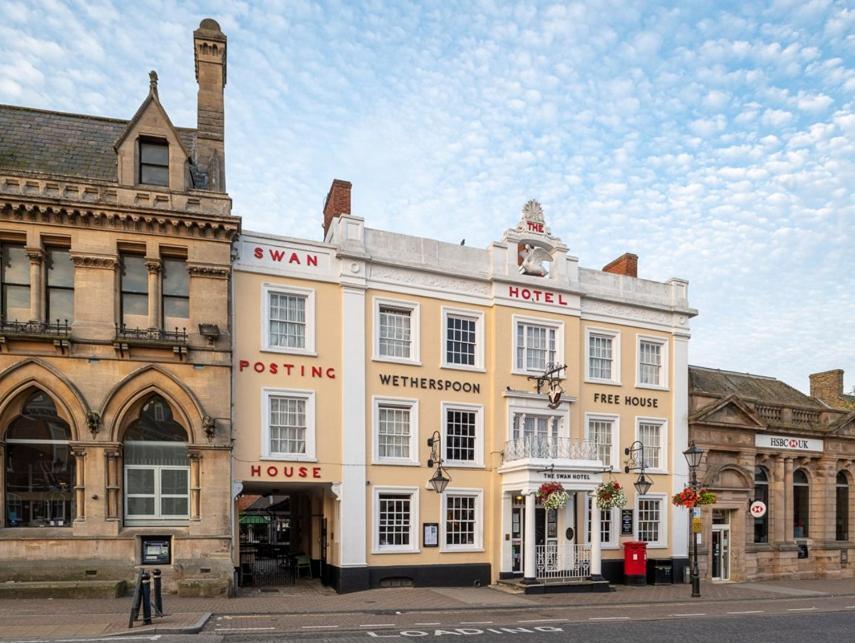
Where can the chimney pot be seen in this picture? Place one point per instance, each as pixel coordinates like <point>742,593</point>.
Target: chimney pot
<point>626,264</point>
<point>209,53</point>
<point>827,386</point>
<point>337,202</point>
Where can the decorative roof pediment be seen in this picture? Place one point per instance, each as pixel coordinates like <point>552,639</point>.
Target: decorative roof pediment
<point>152,115</point>
<point>536,244</point>
<point>731,411</point>
<point>844,427</point>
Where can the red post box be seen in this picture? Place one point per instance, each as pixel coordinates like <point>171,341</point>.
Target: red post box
<point>635,562</point>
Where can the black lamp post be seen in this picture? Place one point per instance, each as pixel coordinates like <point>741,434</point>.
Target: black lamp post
<point>636,462</point>
<point>693,456</point>
<point>440,479</point>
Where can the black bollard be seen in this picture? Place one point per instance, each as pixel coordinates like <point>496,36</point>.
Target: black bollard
<point>158,596</point>
<point>137,601</point>
<point>146,598</point>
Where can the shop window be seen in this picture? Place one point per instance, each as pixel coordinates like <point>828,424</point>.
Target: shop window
<point>289,320</point>
<point>652,362</point>
<point>761,492</point>
<point>650,524</point>
<point>289,427</point>
<point>602,435</point>
<point>134,291</point>
<point>841,521</point>
<point>396,517</point>
<point>59,285</point>
<point>463,344</point>
<point>14,282</point>
<point>395,431</point>
<point>461,510</point>
<point>154,162</point>
<point>603,356</point>
<point>396,331</point>
<point>39,467</point>
<point>537,345</point>
<point>176,292</point>
<point>463,434</point>
<point>608,525</point>
<point>157,474</point>
<point>801,504</point>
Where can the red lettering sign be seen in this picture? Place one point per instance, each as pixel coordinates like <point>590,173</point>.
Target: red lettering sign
<point>535,226</point>
<point>537,296</point>
<point>280,256</point>
<point>275,368</point>
<point>255,471</point>
<point>286,471</point>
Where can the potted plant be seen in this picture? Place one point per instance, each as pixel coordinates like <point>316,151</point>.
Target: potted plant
<point>552,495</point>
<point>610,495</point>
<point>690,498</point>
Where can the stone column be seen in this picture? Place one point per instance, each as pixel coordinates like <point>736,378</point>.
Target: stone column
<point>79,483</point>
<point>788,500</point>
<point>154,310</point>
<point>112,484</point>
<point>530,562</point>
<point>777,502</point>
<point>36,256</point>
<point>195,458</point>
<point>2,485</point>
<point>596,549</point>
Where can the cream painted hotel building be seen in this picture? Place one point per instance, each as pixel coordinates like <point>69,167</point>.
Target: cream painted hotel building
<point>351,352</point>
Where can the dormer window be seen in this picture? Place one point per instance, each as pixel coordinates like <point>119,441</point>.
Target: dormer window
<point>154,162</point>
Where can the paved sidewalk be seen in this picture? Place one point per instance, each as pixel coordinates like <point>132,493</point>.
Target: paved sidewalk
<point>61,618</point>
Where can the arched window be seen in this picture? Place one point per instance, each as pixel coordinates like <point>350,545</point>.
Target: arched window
<point>157,476</point>
<point>841,522</point>
<point>761,492</point>
<point>39,467</point>
<point>801,504</point>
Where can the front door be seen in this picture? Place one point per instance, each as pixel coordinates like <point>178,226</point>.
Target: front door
<point>545,535</point>
<point>720,552</point>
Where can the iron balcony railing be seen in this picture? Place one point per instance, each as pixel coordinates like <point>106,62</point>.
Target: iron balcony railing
<point>38,329</point>
<point>549,449</point>
<point>564,562</point>
<point>177,336</point>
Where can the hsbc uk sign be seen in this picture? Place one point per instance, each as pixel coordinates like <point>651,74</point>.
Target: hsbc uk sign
<point>787,442</point>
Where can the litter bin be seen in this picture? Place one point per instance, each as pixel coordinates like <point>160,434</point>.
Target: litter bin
<point>662,573</point>
<point>635,562</point>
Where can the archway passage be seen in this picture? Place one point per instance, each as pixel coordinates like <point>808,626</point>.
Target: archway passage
<point>39,467</point>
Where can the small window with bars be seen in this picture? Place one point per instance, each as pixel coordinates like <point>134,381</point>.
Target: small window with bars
<point>393,432</point>
<point>461,340</point>
<point>394,520</point>
<point>287,319</point>
<point>600,437</point>
<point>460,520</point>
<point>288,425</point>
<point>650,363</point>
<point>395,332</point>
<point>600,357</point>
<point>154,162</point>
<point>536,347</point>
<point>650,435</point>
<point>649,520</point>
<point>461,435</point>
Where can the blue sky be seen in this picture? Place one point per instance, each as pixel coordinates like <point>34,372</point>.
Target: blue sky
<point>713,139</point>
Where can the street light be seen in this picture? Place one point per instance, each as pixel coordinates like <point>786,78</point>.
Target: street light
<point>642,485</point>
<point>693,455</point>
<point>439,481</point>
<point>636,462</point>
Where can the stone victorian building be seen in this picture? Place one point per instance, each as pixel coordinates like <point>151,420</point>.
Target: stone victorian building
<point>115,405</point>
<point>765,441</point>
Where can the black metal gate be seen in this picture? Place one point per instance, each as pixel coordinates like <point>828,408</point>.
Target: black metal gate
<point>265,566</point>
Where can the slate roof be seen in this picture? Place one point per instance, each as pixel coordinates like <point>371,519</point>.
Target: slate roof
<point>747,386</point>
<point>61,144</point>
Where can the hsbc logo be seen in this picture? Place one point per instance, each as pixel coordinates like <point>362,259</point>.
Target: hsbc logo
<point>787,442</point>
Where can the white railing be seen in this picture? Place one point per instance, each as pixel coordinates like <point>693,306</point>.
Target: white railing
<point>549,449</point>
<point>563,562</point>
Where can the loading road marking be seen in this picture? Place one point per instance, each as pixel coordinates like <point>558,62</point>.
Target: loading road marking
<point>242,629</point>
<point>319,627</point>
<point>609,618</point>
<point>545,620</point>
<point>697,614</point>
<point>476,622</point>
<point>378,625</point>
<point>800,609</point>
<point>748,612</point>
<point>437,623</point>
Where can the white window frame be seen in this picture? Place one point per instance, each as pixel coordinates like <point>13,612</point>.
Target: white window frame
<point>413,405</point>
<point>478,494</point>
<point>662,542</point>
<point>266,290</point>
<point>415,330</point>
<point>309,396</point>
<point>614,534</point>
<point>478,317</point>
<point>615,337</point>
<point>527,406</point>
<point>157,495</point>
<point>558,326</point>
<point>415,521</point>
<point>663,441</point>
<point>614,455</point>
<point>663,368</point>
<point>478,409</point>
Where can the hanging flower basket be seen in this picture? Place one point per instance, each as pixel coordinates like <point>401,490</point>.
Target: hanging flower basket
<point>610,495</point>
<point>689,498</point>
<point>552,495</point>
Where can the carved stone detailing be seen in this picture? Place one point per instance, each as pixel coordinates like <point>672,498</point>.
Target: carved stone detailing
<point>105,262</point>
<point>152,265</point>
<point>432,281</point>
<point>36,255</point>
<point>628,312</point>
<point>209,270</point>
<point>93,421</point>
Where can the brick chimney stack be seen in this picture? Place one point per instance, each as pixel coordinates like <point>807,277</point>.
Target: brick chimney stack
<point>626,264</point>
<point>337,203</point>
<point>209,46</point>
<point>828,387</point>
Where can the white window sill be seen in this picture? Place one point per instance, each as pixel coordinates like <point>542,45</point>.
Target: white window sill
<point>519,371</point>
<point>464,367</point>
<point>395,551</point>
<point>589,380</point>
<point>663,472</point>
<point>656,546</point>
<point>395,463</point>
<point>288,457</point>
<point>652,387</point>
<point>449,464</point>
<point>289,351</point>
<point>396,360</point>
<point>462,550</point>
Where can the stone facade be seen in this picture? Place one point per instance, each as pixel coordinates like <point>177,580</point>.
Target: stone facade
<point>827,387</point>
<point>765,440</point>
<point>120,328</point>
